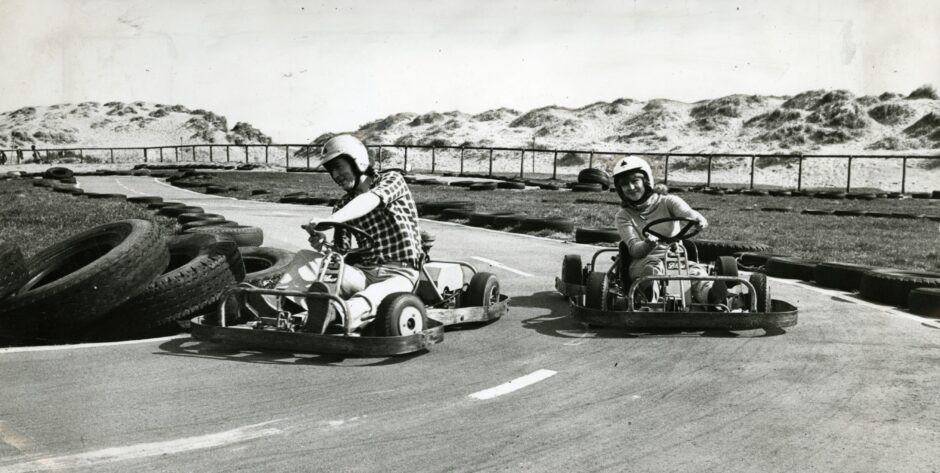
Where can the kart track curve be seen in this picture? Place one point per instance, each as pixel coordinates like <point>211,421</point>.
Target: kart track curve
<point>852,387</point>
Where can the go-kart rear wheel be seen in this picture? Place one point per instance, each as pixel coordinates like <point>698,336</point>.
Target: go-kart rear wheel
<point>727,266</point>
<point>571,270</point>
<point>482,291</point>
<point>596,291</point>
<point>762,292</point>
<point>401,314</point>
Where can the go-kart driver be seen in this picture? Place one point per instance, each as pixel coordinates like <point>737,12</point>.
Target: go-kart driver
<point>382,206</point>
<point>643,202</point>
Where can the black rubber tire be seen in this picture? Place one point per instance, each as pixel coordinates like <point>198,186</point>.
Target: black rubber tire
<point>549,187</point>
<point>243,235</point>
<point>462,183</point>
<point>709,250</point>
<point>198,217</point>
<point>817,212</point>
<point>755,192</point>
<point>777,209</point>
<point>161,205</point>
<point>594,176</point>
<point>482,186</point>
<point>432,208</point>
<point>511,185</point>
<point>203,223</point>
<point>68,180</point>
<point>455,214</point>
<point>558,224</point>
<point>76,281</point>
<point>67,189</point>
<point>388,316</point>
<point>595,290</point>
<point>924,301</point>
<point>596,235</point>
<point>834,195</point>
<point>507,221</point>
<point>311,200</point>
<point>727,266</point>
<point>96,195</point>
<point>145,199</point>
<point>212,189</point>
<point>571,268</point>
<point>892,286</point>
<point>842,276</point>
<point>13,270</point>
<point>759,281</point>
<point>58,173</point>
<point>177,211</point>
<point>484,219</point>
<point>198,273</point>
<point>849,213</point>
<point>790,268</point>
<point>592,187</point>
<point>482,291</point>
<point>780,193</point>
<point>259,191</point>
<point>264,265</point>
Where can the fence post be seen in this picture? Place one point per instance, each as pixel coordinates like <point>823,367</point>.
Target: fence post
<point>286,156</point>
<point>176,151</point>
<point>666,172</point>
<point>591,160</point>
<point>307,155</point>
<point>521,163</point>
<point>81,156</point>
<point>848,179</point>
<point>210,153</point>
<point>227,155</point>
<point>145,155</point>
<point>903,173</point>
<point>405,167</point>
<point>491,163</point>
<point>246,154</point>
<point>161,154</point>
<point>708,179</point>
<point>462,150</point>
<point>753,158</point>
<point>193,151</point>
<point>799,174</point>
<point>266,154</point>
<point>433,158</point>
<point>112,155</point>
<point>555,165</point>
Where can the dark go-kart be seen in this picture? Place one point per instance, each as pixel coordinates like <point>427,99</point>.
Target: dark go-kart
<point>612,299</point>
<point>403,323</point>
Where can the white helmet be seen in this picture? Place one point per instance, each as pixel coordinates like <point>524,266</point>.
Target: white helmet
<point>346,145</point>
<point>633,163</point>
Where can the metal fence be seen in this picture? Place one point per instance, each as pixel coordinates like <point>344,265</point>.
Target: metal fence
<point>491,161</point>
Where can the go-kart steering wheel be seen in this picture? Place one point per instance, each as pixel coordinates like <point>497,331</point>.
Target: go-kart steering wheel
<point>689,230</point>
<point>365,241</point>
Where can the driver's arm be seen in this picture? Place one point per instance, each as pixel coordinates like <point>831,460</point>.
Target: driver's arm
<point>357,207</point>
<point>638,246</point>
<point>679,208</point>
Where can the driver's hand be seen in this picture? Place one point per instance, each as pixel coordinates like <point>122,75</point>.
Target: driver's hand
<point>317,240</point>
<point>312,224</point>
<point>703,224</point>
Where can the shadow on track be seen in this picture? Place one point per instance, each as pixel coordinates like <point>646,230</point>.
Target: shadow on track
<point>187,347</point>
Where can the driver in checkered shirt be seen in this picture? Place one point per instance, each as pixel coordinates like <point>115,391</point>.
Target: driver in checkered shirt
<point>381,205</point>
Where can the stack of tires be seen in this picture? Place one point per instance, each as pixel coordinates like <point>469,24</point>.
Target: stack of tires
<point>116,281</point>
<point>592,180</point>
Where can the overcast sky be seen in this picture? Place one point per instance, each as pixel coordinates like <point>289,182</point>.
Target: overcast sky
<point>297,69</point>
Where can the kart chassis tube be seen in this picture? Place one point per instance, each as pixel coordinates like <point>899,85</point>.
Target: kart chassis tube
<point>782,314</point>
<point>636,282</point>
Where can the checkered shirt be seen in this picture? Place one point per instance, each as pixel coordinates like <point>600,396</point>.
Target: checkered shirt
<point>393,224</point>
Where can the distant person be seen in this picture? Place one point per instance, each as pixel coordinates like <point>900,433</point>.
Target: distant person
<point>3,158</point>
<point>19,155</point>
<point>36,157</point>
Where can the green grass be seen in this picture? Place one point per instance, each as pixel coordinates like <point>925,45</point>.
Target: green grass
<point>895,243</point>
<point>33,218</point>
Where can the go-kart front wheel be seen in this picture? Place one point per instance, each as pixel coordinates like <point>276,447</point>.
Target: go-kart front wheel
<point>571,270</point>
<point>401,314</point>
<point>596,291</point>
<point>482,291</point>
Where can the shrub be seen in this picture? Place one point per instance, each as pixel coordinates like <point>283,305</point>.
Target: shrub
<point>890,113</point>
<point>923,92</point>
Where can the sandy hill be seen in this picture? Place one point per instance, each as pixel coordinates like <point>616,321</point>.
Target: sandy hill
<point>92,124</point>
<point>816,121</point>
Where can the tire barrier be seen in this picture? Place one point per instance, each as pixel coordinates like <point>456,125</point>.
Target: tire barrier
<point>264,266</point>
<point>510,185</point>
<point>13,270</point>
<point>243,235</point>
<point>259,192</point>
<point>200,268</point>
<point>709,250</point>
<point>145,199</point>
<point>924,301</point>
<point>596,235</point>
<point>849,213</point>
<point>482,186</point>
<point>790,268</point>
<point>176,211</point>
<point>892,286</point>
<point>777,209</point>
<point>507,221</point>
<point>160,205</point>
<point>76,281</point>
<point>189,217</point>
<point>486,219</point>
<point>843,276</point>
<point>436,208</point>
<point>58,173</point>
<point>594,176</point>
<point>96,195</point>
<point>455,214</point>
<point>817,212</point>
<point>211,189</point>
<point>207,223</point>
<point>557,224</point>
<point>753,261</point>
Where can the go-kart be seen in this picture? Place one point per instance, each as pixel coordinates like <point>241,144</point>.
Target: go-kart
<point>403,323</point>
<point>611,298</point>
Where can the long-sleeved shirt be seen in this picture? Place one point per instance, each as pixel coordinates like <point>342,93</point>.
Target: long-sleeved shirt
<point>630,223</point>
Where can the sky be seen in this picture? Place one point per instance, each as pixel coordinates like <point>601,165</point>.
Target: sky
<point>297,69</point>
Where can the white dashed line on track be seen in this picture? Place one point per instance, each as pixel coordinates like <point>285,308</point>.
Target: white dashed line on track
<point>513,385</point>
<point>502,266</point>
<point>144,450</point>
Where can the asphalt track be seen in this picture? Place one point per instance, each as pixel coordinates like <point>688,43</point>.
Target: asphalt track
<point>852,387</point>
